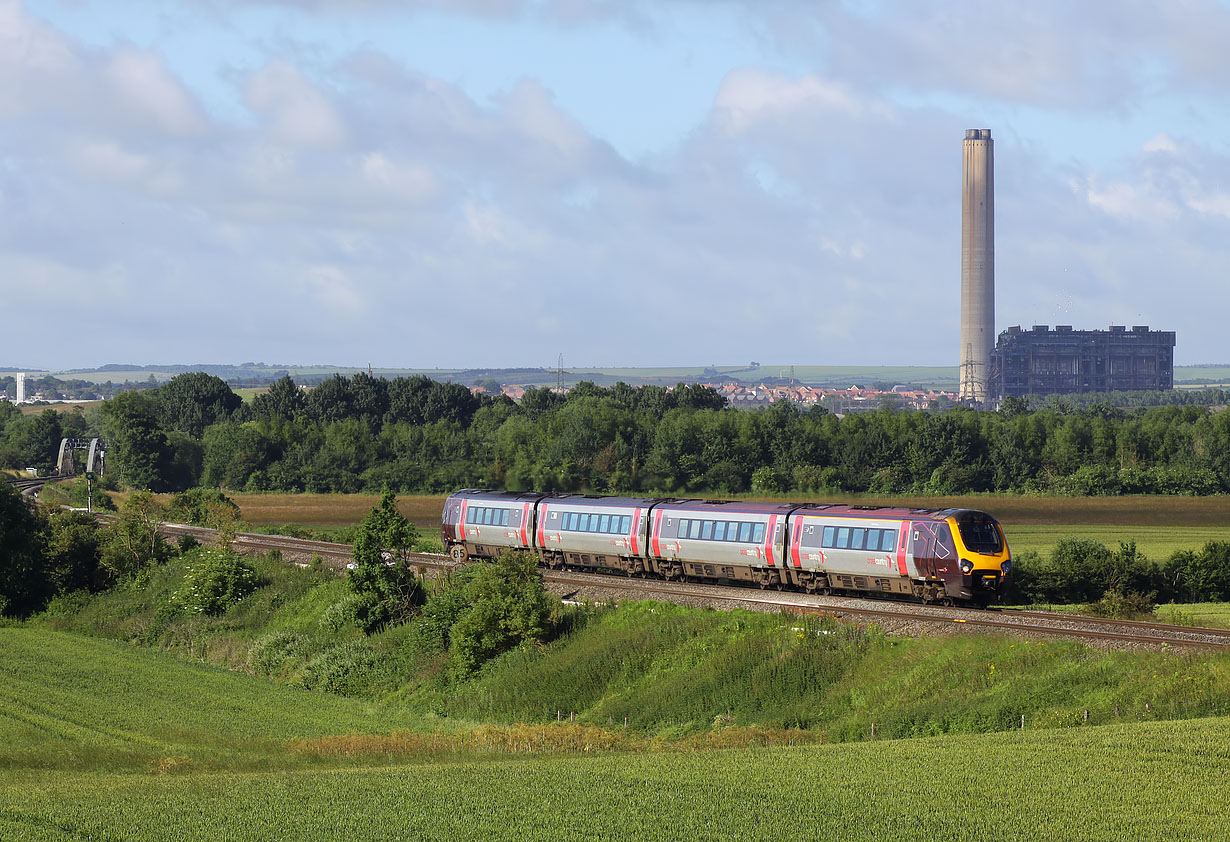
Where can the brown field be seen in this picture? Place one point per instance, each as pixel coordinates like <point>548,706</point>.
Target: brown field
<point>34,409</point>
<point>331,509</point>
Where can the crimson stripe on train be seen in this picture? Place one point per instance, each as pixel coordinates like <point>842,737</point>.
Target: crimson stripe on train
<point>525,525</point>
<point>768,542</point>
<point>542,525</point>
<point>636,522</point>
<point>901,542</point>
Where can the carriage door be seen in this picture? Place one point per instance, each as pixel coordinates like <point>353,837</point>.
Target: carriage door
<point>922,536</point>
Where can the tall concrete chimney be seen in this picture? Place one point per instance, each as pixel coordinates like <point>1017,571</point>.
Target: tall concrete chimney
<point>21,387</point>
<point>977,264</point>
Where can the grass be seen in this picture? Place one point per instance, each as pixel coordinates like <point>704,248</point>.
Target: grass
<point>71,702</point>
<point>100,739</point>
<point>1159,781</point>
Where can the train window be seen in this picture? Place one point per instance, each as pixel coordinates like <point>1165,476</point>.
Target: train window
<point>507,516</point>
<point>604,523</point>
<point>627,524</point>
<point>745,533</point>
<point>757,533</point>
<point>843,537</point>
<point>830,536</point>
<point>694,529</point>
<point>719,531</point>
<point>706,531</point>
<point>570,521</point>
<point>683,528</point>
<point>857,538</point>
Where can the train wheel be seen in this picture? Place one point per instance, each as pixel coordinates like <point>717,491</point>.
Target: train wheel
<point>458,553</point>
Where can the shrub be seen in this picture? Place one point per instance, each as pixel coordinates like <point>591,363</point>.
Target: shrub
<point>1122,606</point>
<point>215,582</point>
<point>270,654</point>
<point>508,607</point>
<point>348,669</point>
<point>200,507</point>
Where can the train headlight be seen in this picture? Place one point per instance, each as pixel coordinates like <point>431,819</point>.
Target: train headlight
<point>1006,567</point>
<point>967,566</point>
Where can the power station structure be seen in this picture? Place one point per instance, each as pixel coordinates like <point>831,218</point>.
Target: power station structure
<point>1040,361</point>
<point>977,265</point>
<point>1063,361</point>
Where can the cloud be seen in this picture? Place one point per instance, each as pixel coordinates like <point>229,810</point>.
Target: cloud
<point>293,110</point>
<point>811,216</point>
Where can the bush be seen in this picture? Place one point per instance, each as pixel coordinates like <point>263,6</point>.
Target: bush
<point>201,507</point>
<point>508,607</point>
<point>1202,576</point>
<point>216,582</point>
<point>271,654</point>
<point>348,669</point>
<point>1123,606</point>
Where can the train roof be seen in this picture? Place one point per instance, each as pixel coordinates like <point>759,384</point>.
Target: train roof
<point>602,500</point>
<point>499,496</point>
<point>692,504</point>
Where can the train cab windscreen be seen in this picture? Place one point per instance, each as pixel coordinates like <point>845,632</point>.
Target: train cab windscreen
<point>980,535</point>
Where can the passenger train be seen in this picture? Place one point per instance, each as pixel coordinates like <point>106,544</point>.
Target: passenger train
<point>935,555</point>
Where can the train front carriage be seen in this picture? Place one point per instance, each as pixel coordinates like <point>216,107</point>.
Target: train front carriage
<point>481,524</point>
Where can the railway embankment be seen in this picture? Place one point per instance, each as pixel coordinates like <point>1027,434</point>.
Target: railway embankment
<point>652,668</point>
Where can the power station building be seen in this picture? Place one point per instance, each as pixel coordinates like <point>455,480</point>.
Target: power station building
<point>1041,361</point>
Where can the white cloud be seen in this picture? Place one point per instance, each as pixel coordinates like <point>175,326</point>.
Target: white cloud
<point>749,97</point>
<point>142,82</point>
<point>296,112</point>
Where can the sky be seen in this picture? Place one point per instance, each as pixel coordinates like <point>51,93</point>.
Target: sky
<point>496,183</point>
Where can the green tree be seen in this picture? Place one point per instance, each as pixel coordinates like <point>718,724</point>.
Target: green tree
<point>136,447</point>
<point>189,403</point>
<point>73,549</point>
<point>132,543</point>
<point>388,591</point>
<point>508,607</point>
<point>283,400</point>
<point>24,584</point>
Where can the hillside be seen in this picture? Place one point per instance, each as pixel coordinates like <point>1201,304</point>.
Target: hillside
<point>141,746</point>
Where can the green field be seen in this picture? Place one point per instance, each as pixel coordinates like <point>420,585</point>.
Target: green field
<point>107,741</point>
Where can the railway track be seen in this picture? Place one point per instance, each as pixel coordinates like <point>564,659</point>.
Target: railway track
<point>903,616</point>
<point>28,487</point>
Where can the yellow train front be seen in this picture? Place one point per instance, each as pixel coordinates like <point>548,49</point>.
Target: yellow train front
<point>969,556</point>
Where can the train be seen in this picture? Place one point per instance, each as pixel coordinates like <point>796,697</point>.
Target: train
<point>944,556</point>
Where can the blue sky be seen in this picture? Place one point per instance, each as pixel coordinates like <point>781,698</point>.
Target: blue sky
<point>495,182</point>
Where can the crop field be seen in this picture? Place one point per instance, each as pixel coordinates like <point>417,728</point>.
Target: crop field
<point>103,740</point>
<point>1159,781</point>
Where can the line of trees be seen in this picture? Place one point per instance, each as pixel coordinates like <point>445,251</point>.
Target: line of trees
<point>414,434</point>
